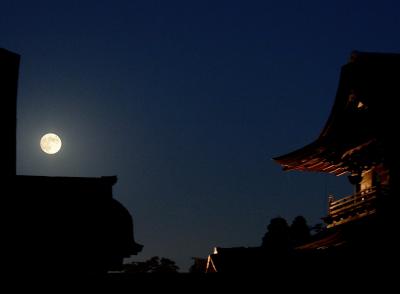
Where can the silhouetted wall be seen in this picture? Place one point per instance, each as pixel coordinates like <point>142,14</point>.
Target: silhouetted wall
<point>54,225</point>
<point>9,69</point>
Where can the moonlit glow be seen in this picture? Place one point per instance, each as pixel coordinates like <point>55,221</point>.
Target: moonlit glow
<point>50,143</point>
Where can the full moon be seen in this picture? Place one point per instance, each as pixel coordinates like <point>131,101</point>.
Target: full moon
<point>50,143</point>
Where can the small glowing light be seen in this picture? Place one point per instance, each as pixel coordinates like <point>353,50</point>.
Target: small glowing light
<point>360,105</point>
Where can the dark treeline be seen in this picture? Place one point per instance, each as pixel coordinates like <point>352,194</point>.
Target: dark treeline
<point>152,265</point>
<point>281,237</point>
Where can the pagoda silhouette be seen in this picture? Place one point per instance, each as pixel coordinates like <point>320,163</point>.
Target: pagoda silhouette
<point>359,140</point>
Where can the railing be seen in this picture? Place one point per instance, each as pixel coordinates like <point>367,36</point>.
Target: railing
<point>356,203</point>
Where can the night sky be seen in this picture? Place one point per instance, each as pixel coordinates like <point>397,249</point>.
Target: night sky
<point>187,102</point>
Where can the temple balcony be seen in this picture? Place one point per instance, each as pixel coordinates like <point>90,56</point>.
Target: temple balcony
<point>355,206</point>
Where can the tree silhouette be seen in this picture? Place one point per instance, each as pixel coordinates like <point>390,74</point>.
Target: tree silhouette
<point>152,265</point>
<point>199,265</point>
<point>166,266</point>
<point>299,231</point>
<point>276,239</point>
<point>317,228</point>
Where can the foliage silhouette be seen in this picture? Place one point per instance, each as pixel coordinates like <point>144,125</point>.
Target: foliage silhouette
<point>282,238</point>
<point>276,239</point>
<point>152,265</point>
<point>315,229</point>
<point>299,231</point>
<point>199,265</point>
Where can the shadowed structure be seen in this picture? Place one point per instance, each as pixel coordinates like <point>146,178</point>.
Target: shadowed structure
<point>9,70</point>
<point>61,226</point>
<point>359,140</point>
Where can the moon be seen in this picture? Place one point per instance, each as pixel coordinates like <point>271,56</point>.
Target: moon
<point>50,143</point>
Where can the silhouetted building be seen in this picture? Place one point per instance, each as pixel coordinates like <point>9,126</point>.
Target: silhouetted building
<point>9,69</point>
<point>359,140</point>
<point>55,225</point>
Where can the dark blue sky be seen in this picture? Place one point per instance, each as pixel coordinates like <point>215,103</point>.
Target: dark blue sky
<point>187,102</point>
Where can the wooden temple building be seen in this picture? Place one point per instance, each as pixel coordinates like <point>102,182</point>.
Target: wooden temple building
<point>359,245</point>
<point>359,140</point>
<point>54,226</point>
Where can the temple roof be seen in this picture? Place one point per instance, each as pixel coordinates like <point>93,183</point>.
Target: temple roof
<point>364,115</point>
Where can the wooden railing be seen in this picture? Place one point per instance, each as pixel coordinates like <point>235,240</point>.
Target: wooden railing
<point>362,201</point>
